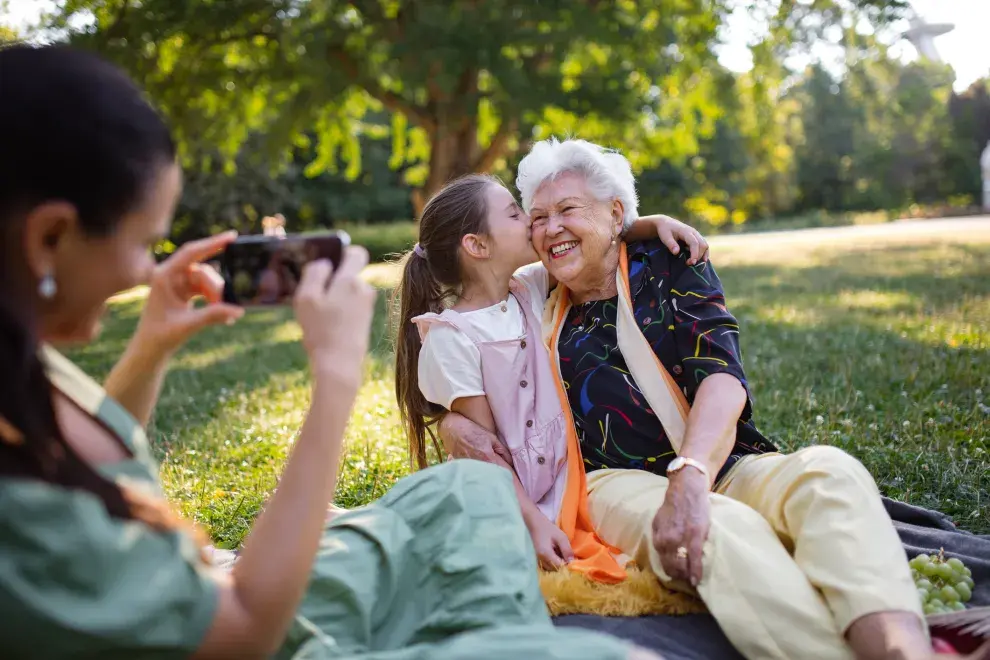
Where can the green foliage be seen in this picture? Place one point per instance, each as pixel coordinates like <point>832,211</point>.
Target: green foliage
<point>334,111</point>
<point>462,79</point>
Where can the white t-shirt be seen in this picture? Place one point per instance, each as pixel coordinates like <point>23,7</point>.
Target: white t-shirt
<point>450,363</point>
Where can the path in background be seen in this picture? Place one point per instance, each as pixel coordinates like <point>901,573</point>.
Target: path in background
<point>790,245</point>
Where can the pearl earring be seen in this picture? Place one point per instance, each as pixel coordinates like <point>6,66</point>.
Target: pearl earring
<point>47,287</point>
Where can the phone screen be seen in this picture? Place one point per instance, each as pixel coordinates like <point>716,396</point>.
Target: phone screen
<point>265,270</point>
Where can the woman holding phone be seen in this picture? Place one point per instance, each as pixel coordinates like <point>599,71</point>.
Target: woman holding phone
<point>94,564</point>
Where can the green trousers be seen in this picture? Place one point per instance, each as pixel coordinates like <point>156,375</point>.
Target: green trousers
<point>442,567</point>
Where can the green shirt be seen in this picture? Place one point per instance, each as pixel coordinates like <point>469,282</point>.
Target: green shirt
<point>76,581</point>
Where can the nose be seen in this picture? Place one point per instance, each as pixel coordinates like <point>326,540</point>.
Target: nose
<point>554,224</point>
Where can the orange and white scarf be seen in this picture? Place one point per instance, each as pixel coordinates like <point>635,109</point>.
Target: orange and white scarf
<point>593,557</point>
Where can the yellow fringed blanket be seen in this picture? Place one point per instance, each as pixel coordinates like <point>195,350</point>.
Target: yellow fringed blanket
<point>640,594</point>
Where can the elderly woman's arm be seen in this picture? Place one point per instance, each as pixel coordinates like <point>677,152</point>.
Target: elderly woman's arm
<point>707,337</point>
<point>711,425</point>
<point>683,519</point>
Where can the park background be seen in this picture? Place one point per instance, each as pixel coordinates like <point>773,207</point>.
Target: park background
<point>749,119</point>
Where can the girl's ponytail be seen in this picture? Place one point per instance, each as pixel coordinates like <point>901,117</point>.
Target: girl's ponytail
<point>431,275</point>
<point>418,293</point>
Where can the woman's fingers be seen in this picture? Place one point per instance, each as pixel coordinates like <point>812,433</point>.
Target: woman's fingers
<point>313,282</point>
<point>673,542</point>
<point>695,549</point>
<point>199,250</point>
<point>353,262</point>
<point>216,314</point>
<point>679,561</point>
<point>205,281</point>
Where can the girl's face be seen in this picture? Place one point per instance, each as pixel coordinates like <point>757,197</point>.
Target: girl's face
<point>509,230</point>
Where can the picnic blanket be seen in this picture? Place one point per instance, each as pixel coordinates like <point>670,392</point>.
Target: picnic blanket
<point>697,636</point>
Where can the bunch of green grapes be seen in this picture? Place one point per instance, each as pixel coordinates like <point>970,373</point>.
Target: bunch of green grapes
<point>943,585</point>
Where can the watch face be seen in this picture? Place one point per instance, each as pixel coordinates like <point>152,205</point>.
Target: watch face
<point>675,464</point>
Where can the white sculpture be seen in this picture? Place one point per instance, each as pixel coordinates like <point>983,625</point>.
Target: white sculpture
<point>985,167</point>
<point>922,35</point>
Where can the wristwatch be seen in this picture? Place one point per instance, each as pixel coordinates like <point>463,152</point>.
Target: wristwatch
<point>682,462</point>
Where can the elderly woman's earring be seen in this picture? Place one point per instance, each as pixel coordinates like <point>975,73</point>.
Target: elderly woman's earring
<point>47,287</point>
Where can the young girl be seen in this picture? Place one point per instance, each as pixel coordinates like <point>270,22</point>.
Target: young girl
<point>470,342</point>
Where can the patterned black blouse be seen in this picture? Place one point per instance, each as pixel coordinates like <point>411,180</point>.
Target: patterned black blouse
<point>681,310</point>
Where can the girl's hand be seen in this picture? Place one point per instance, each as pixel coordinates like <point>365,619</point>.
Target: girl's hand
<point>553,550</point>
<point>335,310</point>
<point>670,231</point>
<point>170,318</point>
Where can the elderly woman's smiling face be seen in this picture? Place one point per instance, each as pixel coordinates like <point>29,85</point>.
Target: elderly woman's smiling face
<point>573,231</point>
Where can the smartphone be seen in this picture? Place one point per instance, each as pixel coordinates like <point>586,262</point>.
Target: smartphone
<point>265,270</point>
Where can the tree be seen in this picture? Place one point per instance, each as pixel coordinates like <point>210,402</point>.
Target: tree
<point>466,82</point>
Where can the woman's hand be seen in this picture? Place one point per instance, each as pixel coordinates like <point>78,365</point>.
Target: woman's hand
<point>335,311</point>
<point>553,550</point>
<point>681,526</point>
<point>169,317</point>
<point>168,320</point>
<point>670,231</point>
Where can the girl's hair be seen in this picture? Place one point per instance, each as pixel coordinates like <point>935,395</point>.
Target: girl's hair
<point>77,130</point>
<point>432,275</point>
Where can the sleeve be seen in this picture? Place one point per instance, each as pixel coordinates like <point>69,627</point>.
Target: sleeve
<point>536,277</point>
<point>707,334</point>
<point>449,366</point>
<point>76,582</point>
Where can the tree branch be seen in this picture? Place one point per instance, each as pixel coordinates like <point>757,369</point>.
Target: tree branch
<point>388,98</point>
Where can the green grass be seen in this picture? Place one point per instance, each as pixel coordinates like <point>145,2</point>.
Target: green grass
<point>881,348</point>
<point>384,240</point>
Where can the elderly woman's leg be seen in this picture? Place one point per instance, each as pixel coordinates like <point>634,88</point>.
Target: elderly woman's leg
<point>824,505</point>
<point>752,586</point>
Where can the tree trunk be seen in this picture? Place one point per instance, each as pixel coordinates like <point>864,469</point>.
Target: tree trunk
<point>454,153</point>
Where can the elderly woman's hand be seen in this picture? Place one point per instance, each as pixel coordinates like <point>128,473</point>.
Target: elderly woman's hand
<point>681,526</point>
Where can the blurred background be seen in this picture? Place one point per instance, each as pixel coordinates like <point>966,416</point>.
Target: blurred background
<point>737,114</point>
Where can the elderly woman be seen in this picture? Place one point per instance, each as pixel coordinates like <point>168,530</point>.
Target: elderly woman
<point>794,555</point>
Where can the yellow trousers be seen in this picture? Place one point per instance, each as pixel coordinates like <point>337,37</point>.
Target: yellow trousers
<point>800,547</point>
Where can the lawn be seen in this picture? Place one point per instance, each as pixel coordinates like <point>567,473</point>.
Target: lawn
<point>877,342</point>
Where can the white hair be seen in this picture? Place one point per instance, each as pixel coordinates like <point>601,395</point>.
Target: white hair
<point>607,172</point>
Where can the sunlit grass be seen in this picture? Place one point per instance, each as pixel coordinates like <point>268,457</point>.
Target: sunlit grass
<point>881,347</point>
